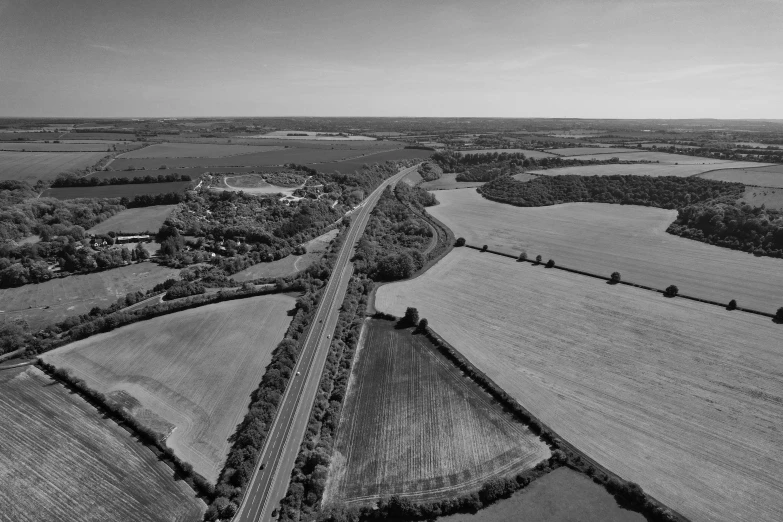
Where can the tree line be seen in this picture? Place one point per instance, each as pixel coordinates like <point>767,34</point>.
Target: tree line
<point>92,181</point>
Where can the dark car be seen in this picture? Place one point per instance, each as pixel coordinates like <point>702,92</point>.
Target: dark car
<point>262,466</point>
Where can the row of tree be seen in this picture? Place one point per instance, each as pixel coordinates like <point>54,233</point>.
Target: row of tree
<point>92,181</point>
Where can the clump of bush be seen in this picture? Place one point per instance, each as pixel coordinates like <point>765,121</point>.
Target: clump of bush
<point>550,263</point>
<point>671,291</point>
<point>732,305</point>
<point>460,242</point>
<point>616,277</point>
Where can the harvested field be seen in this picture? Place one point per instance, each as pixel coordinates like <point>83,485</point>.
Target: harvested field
<point>277,156</point>
<point>54,300</point>
<point>448,181</point>
<point>291,264</point>
<point>194,150</point>
<point>679,396</point>
<point>578,151</point>
<point>528,153</point>
<point>601,238</point>
<point>645,169</point>
<point>769,197</point>
<point>414,425</point>
<point>62,460</point>
<point>189,374</point>
<point>767,176</point>
<point>39,146</point>
<point>135,220</point>
<point>129,191</point>
<point>32,166</point>
<point>542,501</point>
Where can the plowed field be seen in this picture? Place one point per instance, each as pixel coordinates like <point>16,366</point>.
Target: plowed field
<point>61,460</point>
<point>414,425</point>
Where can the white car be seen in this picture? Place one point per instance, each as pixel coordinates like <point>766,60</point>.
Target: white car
<point>299,373</point>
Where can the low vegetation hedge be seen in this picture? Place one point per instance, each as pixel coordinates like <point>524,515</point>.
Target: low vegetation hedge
<point>145,435</point>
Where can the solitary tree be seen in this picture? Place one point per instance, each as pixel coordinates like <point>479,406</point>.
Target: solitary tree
<point>550,263</point>
<point>671,291</point>
<point>411,316</point>
<point>423,325</point>
<point>484,248</point>
<point>522,256</point>
<point>460,242</point>
<point>779,315</point>
<point>615,277</point>
<point>732,305</point>
<point>538,259</point>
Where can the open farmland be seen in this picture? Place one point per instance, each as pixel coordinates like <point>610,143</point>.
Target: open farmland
<point>52,301</point>
<point>62,460</point>
<point>32,166</point>
<point>291,264</point>
<point>117,191</point>
<point>448,181</point>
<point>194,150</point>
<point>769,197</point>
<point>276,156</point>
<point>193,172</point>
<point>132,220</point>
<point>601,238</point>
<point>189,374</point>
<point>669,159</point>
<point>414,425</point>
<point>646,169</point>
<point>542,501</point>
<point>39,146</point>
<point>679,396</point>
<point>768,176</point>
<point>578,151</point>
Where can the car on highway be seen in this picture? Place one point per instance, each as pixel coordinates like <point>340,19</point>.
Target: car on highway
<point>263,464</point>
<point>299,373</point>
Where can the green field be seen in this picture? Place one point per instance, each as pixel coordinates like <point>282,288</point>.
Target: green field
<point>118,191</point>
<point>291,264</point>
<point>135,220</point>
<point>448,182</point>
<point>39,146</point>
<point>32,166</point>
<point>560,496</point>
<point>771,176</point>
<point>62,460</point>
<point>688,167</point>
<point>771,198</point>
<point>578,151</point>
<point>54,300</point>
<point>603,238</point>
<point>681,397</point>
<point>414,425</point>
<point>194,150</point>
<point>187,375</point>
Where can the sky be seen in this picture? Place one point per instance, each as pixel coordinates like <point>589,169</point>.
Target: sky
<point>494,58</point>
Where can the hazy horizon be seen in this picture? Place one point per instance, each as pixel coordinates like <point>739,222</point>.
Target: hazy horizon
<point>455,59</point>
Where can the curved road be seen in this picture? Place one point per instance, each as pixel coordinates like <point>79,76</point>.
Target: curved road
<point>269,486</point>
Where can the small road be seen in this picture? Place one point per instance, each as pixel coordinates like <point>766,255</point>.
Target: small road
<point>278,456</point>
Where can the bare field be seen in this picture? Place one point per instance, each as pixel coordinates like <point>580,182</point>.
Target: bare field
<point>32,166</point>
<point>542,501</point>
<point>768,176</point>
<point>448,181</point>
<point>414,425</point>
<point>195,150</point>
<point>644,169</point>
<point>191,372</point>
<point>54,300</point>
<point>681,397</point>
<point>602,238</point>
<point>769,197</point>
<point>62,460</point>
<point>143,219</point>
<point>291,264</point>
<point>117,191</point>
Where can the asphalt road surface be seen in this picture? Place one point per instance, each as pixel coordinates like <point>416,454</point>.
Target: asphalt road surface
<point>269,486</point>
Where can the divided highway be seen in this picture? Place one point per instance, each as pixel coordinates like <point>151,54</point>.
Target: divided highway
<point>269,486</point>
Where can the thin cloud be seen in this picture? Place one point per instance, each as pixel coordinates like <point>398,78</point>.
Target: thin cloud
<point>702,70</point>
<point>112,49</point>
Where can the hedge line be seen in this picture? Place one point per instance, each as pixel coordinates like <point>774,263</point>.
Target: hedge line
<point>148,437</point>
<point>627,283</point>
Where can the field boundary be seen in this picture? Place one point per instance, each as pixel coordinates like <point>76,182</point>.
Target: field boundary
<point>626,283</point>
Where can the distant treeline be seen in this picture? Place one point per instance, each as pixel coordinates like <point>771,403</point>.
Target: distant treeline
<point>91,181</point>
<point>707,210</point>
